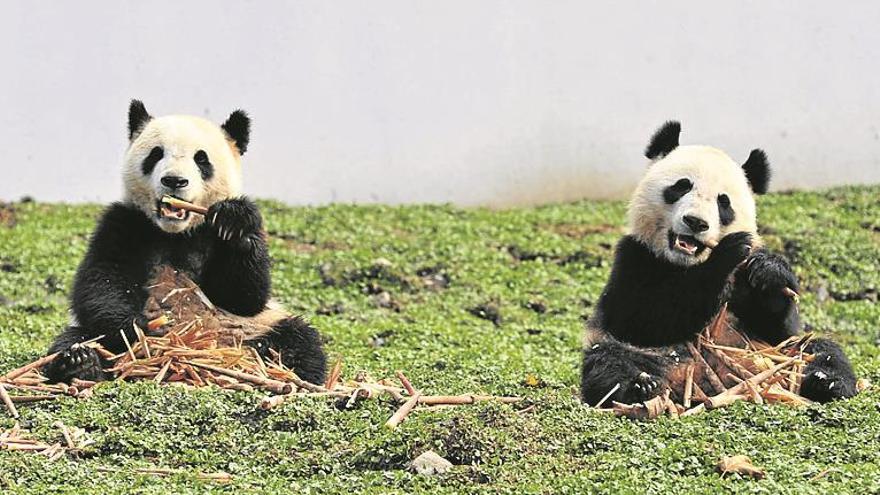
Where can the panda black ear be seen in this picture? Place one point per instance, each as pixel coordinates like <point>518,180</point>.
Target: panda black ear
<point>238,128</point>
<point>664,140</point>
<point>757,170</point>
<point>137,118</point>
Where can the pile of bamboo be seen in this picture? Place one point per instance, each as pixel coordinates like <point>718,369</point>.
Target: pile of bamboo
<point>192,343</point>
<point>724,366</point>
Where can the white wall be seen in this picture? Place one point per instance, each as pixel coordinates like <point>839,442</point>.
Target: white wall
<point>475,102</point>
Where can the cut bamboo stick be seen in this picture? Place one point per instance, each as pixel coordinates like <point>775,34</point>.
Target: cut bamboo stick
<point>10,406</point>
<point>404,411</point>
<point>184,205</point>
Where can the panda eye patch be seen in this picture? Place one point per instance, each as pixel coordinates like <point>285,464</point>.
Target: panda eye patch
<point>674,192</point>
<point>725,210</point>
<point>151,160</point>
<point>204,164</point>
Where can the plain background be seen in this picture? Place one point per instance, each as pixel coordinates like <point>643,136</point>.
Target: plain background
<point>492,102</point>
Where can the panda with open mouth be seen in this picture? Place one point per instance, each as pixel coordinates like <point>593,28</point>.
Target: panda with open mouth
<point>692,246</point>
<point>223,251</point>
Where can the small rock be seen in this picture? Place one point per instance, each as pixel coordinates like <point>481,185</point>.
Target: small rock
<point>429,464</point>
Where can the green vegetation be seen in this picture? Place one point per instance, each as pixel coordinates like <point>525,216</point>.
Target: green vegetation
<point>479,301</point>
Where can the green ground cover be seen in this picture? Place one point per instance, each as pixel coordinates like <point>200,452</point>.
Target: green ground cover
<point>480,301</point>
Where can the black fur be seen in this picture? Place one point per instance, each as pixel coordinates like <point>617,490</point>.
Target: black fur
<point>830,375</point>
<point>725,210</point>
<point>109,288</point>
<point>758,301</point>
<point>675,192</point>
<point>301,348</point>
<point>238,128</point>
<point>151,160</point>
<point>650,306</point>
<point>650,301</point>
<point>137,118</point>
<point>206,168</point>
<point>664,140</point>
<point>757,170</point>
<point>229,274</point>
<point>640,373</point>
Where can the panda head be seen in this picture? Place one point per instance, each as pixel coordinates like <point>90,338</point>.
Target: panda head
<point>692,196</point>
<point>187,157</point>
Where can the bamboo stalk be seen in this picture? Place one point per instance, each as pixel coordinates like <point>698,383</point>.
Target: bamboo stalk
<point>406,383</point>
<point>607,396</point>
<point>10,406</point>
<point>688,386</point>
<point>432,400</point>
<point>184,205</point>
<point>267,383</point>
<point>404,411</point>
<point>725,398</point>
<point>707,370</point>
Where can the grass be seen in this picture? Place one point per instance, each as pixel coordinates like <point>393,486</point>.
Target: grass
<point>481,301</point>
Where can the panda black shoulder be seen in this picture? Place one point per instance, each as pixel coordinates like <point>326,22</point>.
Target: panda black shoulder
<point>120,226</point>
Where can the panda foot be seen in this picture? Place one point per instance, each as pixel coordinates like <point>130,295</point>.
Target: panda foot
<point>641,388</point>
<point>825,386</point>
<point>77,361</point>
<point>829,376</point>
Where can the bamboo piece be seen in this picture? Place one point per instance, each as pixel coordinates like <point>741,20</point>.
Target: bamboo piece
<point>267,383</point>
<point>184,205</point>
<point>615,388</point>
<point>405,382</point>
<point>404,411</point>
<point>10,406</point>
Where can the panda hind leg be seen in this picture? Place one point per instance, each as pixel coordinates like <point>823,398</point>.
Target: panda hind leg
<point>300,347</point>
<point>640,374</point>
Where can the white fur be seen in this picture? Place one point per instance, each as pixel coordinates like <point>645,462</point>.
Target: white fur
<point>181,136</point>
<point>712,173</point>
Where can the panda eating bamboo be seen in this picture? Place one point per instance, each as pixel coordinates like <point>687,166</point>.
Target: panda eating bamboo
<point>692,246</point>
<point>224,251</point>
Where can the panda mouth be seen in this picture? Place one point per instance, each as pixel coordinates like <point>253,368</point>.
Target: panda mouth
<point>686,244</point>
<point>167,212</point>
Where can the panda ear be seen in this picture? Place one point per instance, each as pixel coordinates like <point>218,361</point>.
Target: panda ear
<point>664,140</point>
<point>757,170</point>
<point>137,118</point>
<point>238,128</point>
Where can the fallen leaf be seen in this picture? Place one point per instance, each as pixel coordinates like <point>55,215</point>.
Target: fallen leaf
<point>739,464</point>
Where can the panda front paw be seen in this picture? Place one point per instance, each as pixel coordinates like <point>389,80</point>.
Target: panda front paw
<point>234,219</point>
<point>771,279</point>
<point>77,361</point>
<point>732,250</point>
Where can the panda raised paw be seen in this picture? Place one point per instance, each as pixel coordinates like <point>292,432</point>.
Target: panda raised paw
<point>771,278</point>
<point>234,219</point>
<point>731,250</point>
<point>77,361</point>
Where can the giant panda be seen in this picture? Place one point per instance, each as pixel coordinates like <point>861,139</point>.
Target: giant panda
<point>224,251</point>
<point>667,283</point>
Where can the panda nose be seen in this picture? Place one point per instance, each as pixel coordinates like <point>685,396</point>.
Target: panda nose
<point>696,224</point>
<point>174,182</point>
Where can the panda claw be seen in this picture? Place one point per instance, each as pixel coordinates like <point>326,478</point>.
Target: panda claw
<point>214,220</point>
<point>820,375</point>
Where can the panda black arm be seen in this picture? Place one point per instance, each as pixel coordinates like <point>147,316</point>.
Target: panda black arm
<point>108,290</point>
<point>758,299</point>
<point>649,301</point>
<point>236,274</point>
